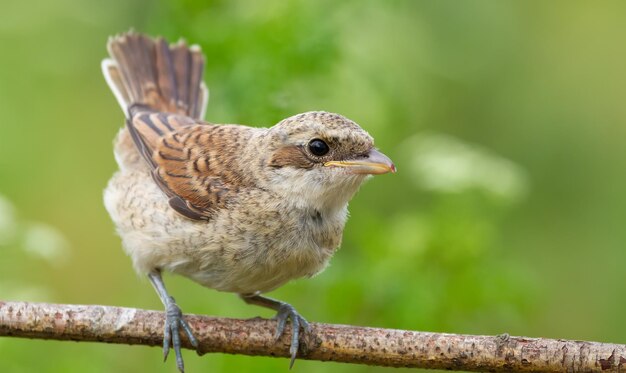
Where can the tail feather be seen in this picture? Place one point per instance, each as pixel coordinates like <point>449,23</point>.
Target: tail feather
<point>150,73</point>
<point>114,80</point>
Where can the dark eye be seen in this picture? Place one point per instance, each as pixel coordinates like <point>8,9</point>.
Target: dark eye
<point>318,147</point>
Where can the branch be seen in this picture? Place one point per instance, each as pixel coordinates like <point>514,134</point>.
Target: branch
<point>342,343</point>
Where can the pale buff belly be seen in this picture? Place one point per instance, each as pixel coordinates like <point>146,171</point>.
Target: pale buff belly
<point>233,252</point>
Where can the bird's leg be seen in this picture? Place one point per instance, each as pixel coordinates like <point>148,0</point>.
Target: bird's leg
<point>173,322</point>
<point>284,311</point>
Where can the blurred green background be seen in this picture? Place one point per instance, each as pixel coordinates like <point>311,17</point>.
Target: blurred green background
<point>506,121</point>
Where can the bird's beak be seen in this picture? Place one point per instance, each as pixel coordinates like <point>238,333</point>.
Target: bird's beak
<point>374,163</point>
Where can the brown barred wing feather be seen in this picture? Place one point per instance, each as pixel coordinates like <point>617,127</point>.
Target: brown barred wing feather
<point>189,160</point>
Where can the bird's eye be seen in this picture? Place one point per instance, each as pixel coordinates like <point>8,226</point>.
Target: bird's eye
<point>318,147</point>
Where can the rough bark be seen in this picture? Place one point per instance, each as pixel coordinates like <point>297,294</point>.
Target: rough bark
<point>342,343</point>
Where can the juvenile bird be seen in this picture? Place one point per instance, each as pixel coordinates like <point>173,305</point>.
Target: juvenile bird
<point>234,208</point>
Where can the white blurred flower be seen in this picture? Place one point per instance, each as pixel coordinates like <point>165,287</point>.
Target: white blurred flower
<point>46,242</point>
<point>13,290</point>
<point>442,163</point>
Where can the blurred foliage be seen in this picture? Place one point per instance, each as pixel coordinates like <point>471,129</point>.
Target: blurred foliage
<point>505,120</point>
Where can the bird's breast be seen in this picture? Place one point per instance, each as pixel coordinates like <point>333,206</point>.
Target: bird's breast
<point>257,244</point>
<point>283,244</point>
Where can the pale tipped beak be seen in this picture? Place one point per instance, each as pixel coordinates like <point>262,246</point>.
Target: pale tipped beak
<point>374,163</point>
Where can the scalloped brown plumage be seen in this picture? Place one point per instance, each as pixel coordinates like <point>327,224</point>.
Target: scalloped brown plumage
<point>189,160</point>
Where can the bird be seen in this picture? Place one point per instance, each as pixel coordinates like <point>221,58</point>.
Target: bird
<point>234,208</point>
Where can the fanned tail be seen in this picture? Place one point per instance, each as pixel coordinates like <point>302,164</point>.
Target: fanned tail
<point>149,74</point>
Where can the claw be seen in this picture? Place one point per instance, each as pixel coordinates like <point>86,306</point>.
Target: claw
<point>171,336</point>
<point>173,322</point>
<point>286,311</point>
<point>167,338</point>
<point>192,338</point>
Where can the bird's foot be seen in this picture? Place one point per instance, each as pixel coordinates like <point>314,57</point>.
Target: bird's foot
<point>286,311</point>
<point>173,323</point>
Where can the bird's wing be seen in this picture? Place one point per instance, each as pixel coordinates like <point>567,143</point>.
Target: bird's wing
<point>191,161</point>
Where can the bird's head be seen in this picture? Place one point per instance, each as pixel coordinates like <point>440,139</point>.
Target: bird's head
<point>320,159</point>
